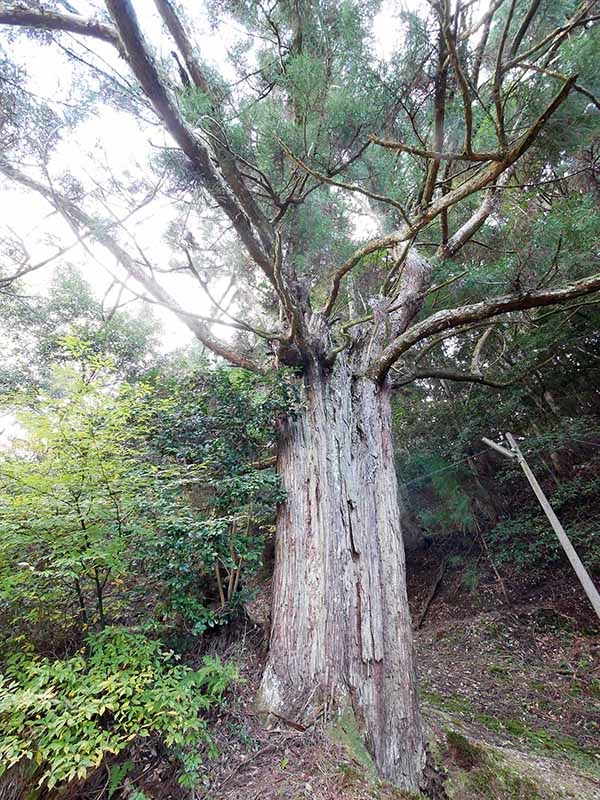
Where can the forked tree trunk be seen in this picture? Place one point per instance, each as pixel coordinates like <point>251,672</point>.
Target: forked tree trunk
<point>341,637</point>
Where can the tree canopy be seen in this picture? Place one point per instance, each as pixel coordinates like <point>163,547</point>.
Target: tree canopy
<point>479,117</point>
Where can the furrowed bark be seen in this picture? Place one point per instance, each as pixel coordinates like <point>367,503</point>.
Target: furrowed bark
<point>475,222</point>
<point>341,640</point>
<point>416,279</point>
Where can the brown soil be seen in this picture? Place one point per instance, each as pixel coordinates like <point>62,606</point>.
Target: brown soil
<point>534,661</point>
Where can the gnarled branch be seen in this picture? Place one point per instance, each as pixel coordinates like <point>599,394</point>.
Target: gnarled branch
<point>474,223</point>
<point>482,179</point>
<point>349,187</point>
<point>475,312</point>
<point>432,154</point>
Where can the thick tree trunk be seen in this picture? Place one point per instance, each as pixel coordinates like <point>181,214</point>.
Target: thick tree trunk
<point>341,640</point>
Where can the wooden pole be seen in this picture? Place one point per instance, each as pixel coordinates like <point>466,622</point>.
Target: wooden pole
<point>581,572</point>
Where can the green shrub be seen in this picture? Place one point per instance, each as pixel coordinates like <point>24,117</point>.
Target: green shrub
<point>61,718</point>
<point>140,504</point>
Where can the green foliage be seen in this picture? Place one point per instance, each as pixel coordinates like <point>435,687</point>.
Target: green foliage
<point>38,333</point>
<point>64,717</point>
<point>70,490</point>
<point>451,509</point>
<point>138,500</point>
<point>224,420</point>
<point>526,541</point>
<point>194,105</point>
<point>453,483</point>
<point>117,773</point>
<point>136,503</point>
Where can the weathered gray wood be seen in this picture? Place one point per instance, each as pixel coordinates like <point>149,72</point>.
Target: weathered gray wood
<point>498,447</point>
<point>341,638</point>
<point>581,572</point>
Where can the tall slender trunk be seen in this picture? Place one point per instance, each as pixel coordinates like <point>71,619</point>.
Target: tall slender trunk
<point>82,612</point>
<point>99,598</point>
<point>341,637</point>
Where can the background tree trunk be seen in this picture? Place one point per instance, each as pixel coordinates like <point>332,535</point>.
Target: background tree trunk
<point>341,638</point>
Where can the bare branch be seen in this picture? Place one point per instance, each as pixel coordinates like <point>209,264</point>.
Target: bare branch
<point>382,243</point>
<point>453,332</point>
<point>409,298</point>
<point>481,47</point>
<point>476,358</point>
<point>559,76</point>
<point>145,71</point>
<point>462,83</point>
<point>527,20</point>
<point>226,159</point>
<point>439,286</point>
<point>483,178</point>
<point>6,280</point>
<point>79,218</point>
<point>439,121</point>
<point>130,43</point>
<point>497,83</point>
<point>555,36</point>
<point>432,154</point>
<point>42,18</point>
<point>234,321</point>
<point>350,187</point>
<point>486,309</point>
<point>485,20</point>
<point>173,22</point>
<point>263,463</point>
<point>451,375</point>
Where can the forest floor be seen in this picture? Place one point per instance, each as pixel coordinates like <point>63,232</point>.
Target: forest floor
<point>510,694</point>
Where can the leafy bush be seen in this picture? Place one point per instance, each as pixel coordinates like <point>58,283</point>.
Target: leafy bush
<point>62,718</point>
<point>137,503</point>
<point>71,501</point>
<point>223,422</point>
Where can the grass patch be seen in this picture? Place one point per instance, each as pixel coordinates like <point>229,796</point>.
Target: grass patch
<point>538,740</point>
<point>476,772</point>
<point>497,780</point>
<point>456,704</point>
